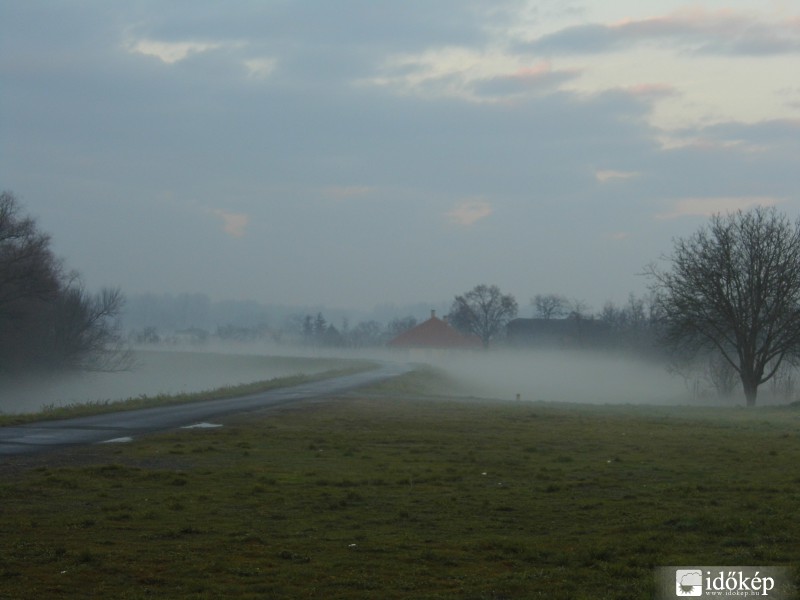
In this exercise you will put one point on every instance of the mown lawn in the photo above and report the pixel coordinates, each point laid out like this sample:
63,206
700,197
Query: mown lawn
386,496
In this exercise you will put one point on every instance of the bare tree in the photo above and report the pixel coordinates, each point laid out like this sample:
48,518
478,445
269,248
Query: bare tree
633,325
365,333
549,306
483,311
578,309
721,375
398,326
86,332
46,317
784,382
28,269
734,286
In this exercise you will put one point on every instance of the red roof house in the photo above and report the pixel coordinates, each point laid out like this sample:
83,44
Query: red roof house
434,333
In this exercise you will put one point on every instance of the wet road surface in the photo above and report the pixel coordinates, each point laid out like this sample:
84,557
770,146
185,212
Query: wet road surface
50,435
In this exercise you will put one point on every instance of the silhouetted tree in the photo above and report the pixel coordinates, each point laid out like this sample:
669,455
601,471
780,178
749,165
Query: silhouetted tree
483,311
735,286
632,326
85,331
550,306
398,326
320,326
47,319
721,375
28,270
331,337
365,333
578,309
148,335
308,328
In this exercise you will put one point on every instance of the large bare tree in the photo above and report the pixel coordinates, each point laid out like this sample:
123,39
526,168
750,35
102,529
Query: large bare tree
47,319
734,286
483,311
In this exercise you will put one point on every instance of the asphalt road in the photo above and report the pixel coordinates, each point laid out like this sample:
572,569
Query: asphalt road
50,435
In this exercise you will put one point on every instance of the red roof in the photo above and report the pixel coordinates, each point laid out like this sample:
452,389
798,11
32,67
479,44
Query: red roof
433,333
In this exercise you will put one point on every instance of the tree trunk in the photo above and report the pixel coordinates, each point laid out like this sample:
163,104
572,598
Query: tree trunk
750,389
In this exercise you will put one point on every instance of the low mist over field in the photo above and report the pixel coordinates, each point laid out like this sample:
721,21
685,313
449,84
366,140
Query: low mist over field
554,376
176,173
155,372
581,377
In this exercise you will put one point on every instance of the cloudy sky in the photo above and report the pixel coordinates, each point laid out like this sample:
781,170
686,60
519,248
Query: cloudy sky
356,152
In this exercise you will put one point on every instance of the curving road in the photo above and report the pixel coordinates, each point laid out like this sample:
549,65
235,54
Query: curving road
49,435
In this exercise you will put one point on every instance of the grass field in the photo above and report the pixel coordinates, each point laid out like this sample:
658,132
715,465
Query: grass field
397,493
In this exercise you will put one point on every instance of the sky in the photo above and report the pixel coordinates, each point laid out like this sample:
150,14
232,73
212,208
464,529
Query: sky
352,153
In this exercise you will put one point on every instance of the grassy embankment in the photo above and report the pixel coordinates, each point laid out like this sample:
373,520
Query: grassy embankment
81,409
387,495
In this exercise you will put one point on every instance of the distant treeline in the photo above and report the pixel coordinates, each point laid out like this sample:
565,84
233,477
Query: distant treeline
47,319
176,312
633,327
295,329
184,318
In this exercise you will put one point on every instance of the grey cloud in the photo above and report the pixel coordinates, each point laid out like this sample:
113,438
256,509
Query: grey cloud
94,135
510,85
738,159
576,39
198,116
700,32
775,133
349,22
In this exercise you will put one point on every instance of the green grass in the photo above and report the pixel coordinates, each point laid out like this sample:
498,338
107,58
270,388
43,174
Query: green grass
381,495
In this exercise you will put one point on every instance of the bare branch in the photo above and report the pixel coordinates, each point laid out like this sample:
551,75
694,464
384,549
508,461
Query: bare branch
735,286
483,311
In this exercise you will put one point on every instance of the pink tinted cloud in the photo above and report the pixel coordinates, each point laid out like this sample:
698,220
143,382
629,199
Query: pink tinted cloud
234,224
725,30
469,212
724,22
605,175
540,76
539,70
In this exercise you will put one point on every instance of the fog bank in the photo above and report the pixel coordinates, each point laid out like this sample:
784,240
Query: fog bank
156,372
561,376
